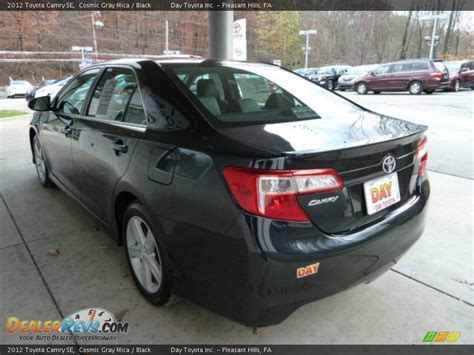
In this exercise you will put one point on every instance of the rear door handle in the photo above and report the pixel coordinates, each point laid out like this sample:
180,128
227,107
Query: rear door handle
119,147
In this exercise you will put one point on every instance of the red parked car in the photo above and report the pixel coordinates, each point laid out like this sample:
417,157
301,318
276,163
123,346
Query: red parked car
461,74
415,76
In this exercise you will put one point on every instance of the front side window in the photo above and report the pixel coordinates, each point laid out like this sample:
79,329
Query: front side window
237,93
382,70
117,98
73,96
400,67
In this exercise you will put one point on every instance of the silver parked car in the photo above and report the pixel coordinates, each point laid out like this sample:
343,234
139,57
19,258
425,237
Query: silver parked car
346,80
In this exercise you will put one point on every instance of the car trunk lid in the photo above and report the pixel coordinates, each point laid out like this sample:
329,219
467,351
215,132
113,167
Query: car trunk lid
354,148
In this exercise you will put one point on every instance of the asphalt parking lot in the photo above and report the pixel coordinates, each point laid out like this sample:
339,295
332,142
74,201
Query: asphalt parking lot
430,289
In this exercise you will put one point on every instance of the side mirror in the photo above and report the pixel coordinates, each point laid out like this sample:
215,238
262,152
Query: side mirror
464,70
42,103
371,73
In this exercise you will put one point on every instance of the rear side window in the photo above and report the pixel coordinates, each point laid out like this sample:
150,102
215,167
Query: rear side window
415,66
400,67
117,98
73,96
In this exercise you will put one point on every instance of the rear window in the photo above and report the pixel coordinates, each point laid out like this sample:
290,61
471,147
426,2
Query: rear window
237,93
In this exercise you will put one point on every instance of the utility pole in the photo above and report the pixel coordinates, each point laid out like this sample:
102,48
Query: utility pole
306,48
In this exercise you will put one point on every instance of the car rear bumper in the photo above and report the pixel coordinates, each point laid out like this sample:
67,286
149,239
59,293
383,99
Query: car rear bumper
275,289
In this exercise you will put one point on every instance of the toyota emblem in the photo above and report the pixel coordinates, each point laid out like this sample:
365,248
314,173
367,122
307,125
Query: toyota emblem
388,164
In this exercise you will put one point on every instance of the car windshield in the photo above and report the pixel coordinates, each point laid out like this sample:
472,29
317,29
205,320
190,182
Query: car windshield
453,67
242,93
20,82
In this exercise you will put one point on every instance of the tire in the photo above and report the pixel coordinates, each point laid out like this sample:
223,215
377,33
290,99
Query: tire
377,92
429,92
145,256
330,85
415,88
40,163
342,89
362,88
457,85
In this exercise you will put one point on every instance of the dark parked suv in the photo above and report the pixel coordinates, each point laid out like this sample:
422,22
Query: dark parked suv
414,76
240,186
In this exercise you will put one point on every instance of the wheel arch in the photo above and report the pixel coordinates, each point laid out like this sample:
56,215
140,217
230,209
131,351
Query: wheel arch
121,202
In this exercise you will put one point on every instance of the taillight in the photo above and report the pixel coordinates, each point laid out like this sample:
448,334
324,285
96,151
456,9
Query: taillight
437,75
422,155
273,193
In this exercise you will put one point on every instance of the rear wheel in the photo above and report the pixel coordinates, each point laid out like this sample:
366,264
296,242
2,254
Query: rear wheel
145,256
429,92
330,85
342,89
415,87
457,85
40,163
376,92
362,88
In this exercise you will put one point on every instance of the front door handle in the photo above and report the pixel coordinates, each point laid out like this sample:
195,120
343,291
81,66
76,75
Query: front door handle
119,147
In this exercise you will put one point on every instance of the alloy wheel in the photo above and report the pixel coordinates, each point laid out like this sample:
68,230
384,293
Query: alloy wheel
457,85
415,88
144,254
362,88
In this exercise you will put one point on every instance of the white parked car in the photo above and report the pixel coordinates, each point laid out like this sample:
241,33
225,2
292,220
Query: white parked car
53,89
18,87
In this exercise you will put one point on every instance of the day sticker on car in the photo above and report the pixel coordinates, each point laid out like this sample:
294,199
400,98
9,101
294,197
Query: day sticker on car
381,193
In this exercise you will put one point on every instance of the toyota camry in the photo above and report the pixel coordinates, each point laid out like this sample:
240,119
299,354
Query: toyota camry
242,187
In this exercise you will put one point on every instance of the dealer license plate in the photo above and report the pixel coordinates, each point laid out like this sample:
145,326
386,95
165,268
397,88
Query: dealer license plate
381,193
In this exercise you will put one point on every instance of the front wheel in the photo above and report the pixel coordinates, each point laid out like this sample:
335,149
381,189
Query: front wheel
145,256
40,163
330,85
415,87
376,92
429,92
362,88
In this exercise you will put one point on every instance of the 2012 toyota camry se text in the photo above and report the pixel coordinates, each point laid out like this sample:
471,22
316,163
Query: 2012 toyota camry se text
239,186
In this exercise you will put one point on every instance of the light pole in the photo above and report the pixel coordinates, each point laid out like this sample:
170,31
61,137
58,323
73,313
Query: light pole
96,24
434,40
306,47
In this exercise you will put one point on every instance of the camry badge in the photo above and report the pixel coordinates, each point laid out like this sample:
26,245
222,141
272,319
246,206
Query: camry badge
388,164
